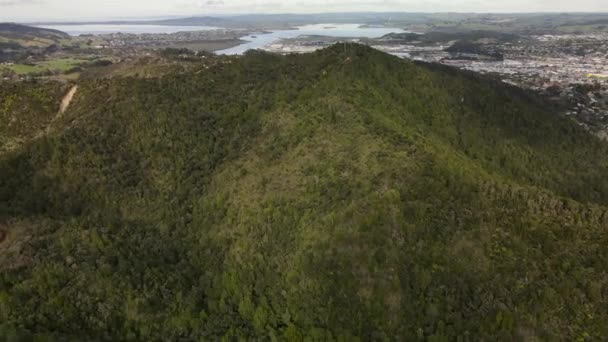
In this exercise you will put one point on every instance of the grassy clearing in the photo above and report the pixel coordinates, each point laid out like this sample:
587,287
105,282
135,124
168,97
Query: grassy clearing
37,42
60,65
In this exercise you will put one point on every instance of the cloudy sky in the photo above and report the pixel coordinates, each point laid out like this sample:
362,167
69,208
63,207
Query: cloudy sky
27,10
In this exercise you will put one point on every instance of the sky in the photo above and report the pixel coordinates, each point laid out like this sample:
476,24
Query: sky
76,10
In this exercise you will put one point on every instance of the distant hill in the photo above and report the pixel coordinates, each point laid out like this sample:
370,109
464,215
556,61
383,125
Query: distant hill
198,21
445,37
276,21
269,21
526,23
464,47
29,36
343,195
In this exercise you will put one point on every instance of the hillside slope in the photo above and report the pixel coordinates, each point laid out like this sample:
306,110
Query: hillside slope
339,195
27,36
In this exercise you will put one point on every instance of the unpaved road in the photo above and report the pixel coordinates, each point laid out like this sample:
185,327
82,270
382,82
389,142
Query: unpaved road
65,103
67,99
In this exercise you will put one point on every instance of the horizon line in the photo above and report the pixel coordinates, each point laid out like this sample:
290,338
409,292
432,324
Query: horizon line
220,15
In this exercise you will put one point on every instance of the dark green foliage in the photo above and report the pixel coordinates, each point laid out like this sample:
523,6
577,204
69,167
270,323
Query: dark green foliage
175,52
100,63
10,46
26,108
339,195
467,47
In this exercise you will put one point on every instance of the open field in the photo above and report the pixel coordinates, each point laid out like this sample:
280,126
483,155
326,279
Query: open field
37,42
54,65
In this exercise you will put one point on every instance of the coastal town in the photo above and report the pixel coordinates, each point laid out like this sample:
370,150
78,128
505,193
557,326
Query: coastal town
204,40
569,68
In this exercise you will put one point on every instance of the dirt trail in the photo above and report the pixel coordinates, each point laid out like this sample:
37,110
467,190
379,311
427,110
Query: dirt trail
16,143
65,103
67,99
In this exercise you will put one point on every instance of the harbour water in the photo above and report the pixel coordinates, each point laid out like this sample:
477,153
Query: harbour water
258,41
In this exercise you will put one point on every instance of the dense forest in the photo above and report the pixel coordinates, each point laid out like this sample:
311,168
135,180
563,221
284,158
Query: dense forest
341,195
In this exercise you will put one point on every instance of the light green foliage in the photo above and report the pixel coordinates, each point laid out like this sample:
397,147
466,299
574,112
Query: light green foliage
59,65
338,196
26,109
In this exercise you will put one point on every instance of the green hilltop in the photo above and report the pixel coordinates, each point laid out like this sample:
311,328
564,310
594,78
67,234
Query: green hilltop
335,196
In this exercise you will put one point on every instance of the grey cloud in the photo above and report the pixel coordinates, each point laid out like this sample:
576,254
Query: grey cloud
237,6
19,2
32,10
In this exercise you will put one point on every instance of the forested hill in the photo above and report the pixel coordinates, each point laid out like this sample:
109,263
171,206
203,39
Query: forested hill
340,195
